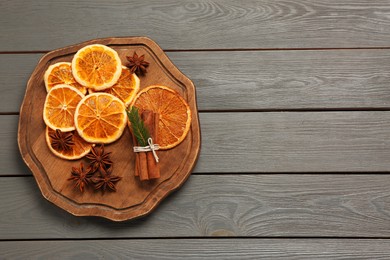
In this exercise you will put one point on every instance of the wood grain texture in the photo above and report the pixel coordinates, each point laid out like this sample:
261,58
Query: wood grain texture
15,69
272,142
132,198
214,206
264,80
282,80
197,24
200,249
295,142
11,160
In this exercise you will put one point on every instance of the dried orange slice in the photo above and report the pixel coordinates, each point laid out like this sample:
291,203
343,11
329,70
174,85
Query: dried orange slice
96,66
61,73
79,149
100,118
60,105
126,88
175,114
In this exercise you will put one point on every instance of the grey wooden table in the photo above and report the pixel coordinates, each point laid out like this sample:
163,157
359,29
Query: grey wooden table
294,100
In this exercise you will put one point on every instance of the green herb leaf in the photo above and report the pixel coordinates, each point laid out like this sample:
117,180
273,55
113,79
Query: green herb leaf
138,127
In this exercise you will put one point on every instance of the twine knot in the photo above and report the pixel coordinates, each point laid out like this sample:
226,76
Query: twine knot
151,147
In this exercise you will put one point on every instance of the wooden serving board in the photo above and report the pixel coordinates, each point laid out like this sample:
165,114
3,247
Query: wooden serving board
133,198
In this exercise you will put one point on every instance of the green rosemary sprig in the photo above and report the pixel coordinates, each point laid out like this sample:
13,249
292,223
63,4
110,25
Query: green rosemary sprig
138,127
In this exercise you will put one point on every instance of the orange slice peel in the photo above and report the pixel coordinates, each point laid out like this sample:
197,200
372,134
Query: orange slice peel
61,73
174,113
126,87
79,149
96,66
60,106
100,118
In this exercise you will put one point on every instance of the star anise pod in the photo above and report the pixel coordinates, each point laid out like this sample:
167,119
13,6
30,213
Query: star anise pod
137,64
81,176
99,159
106,181
61,141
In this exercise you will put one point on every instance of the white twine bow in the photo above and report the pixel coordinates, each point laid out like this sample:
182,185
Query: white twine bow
151,147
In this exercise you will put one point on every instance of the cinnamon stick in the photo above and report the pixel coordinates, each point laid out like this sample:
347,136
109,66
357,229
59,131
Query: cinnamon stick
140,167
136,165
143,167
151,122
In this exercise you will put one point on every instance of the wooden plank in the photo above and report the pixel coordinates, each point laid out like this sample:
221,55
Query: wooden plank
295,142
299,205
15,70
11,162
265,80
197,24
270,142
200,249
273,80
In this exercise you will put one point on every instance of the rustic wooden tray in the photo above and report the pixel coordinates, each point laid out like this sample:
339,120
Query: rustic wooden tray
133,198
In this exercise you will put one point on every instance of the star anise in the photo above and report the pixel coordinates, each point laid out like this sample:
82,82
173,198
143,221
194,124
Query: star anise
106,181
61,141
99,159
137,64
81,176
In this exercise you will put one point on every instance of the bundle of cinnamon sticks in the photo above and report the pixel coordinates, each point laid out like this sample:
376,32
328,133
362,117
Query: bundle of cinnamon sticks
146,166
